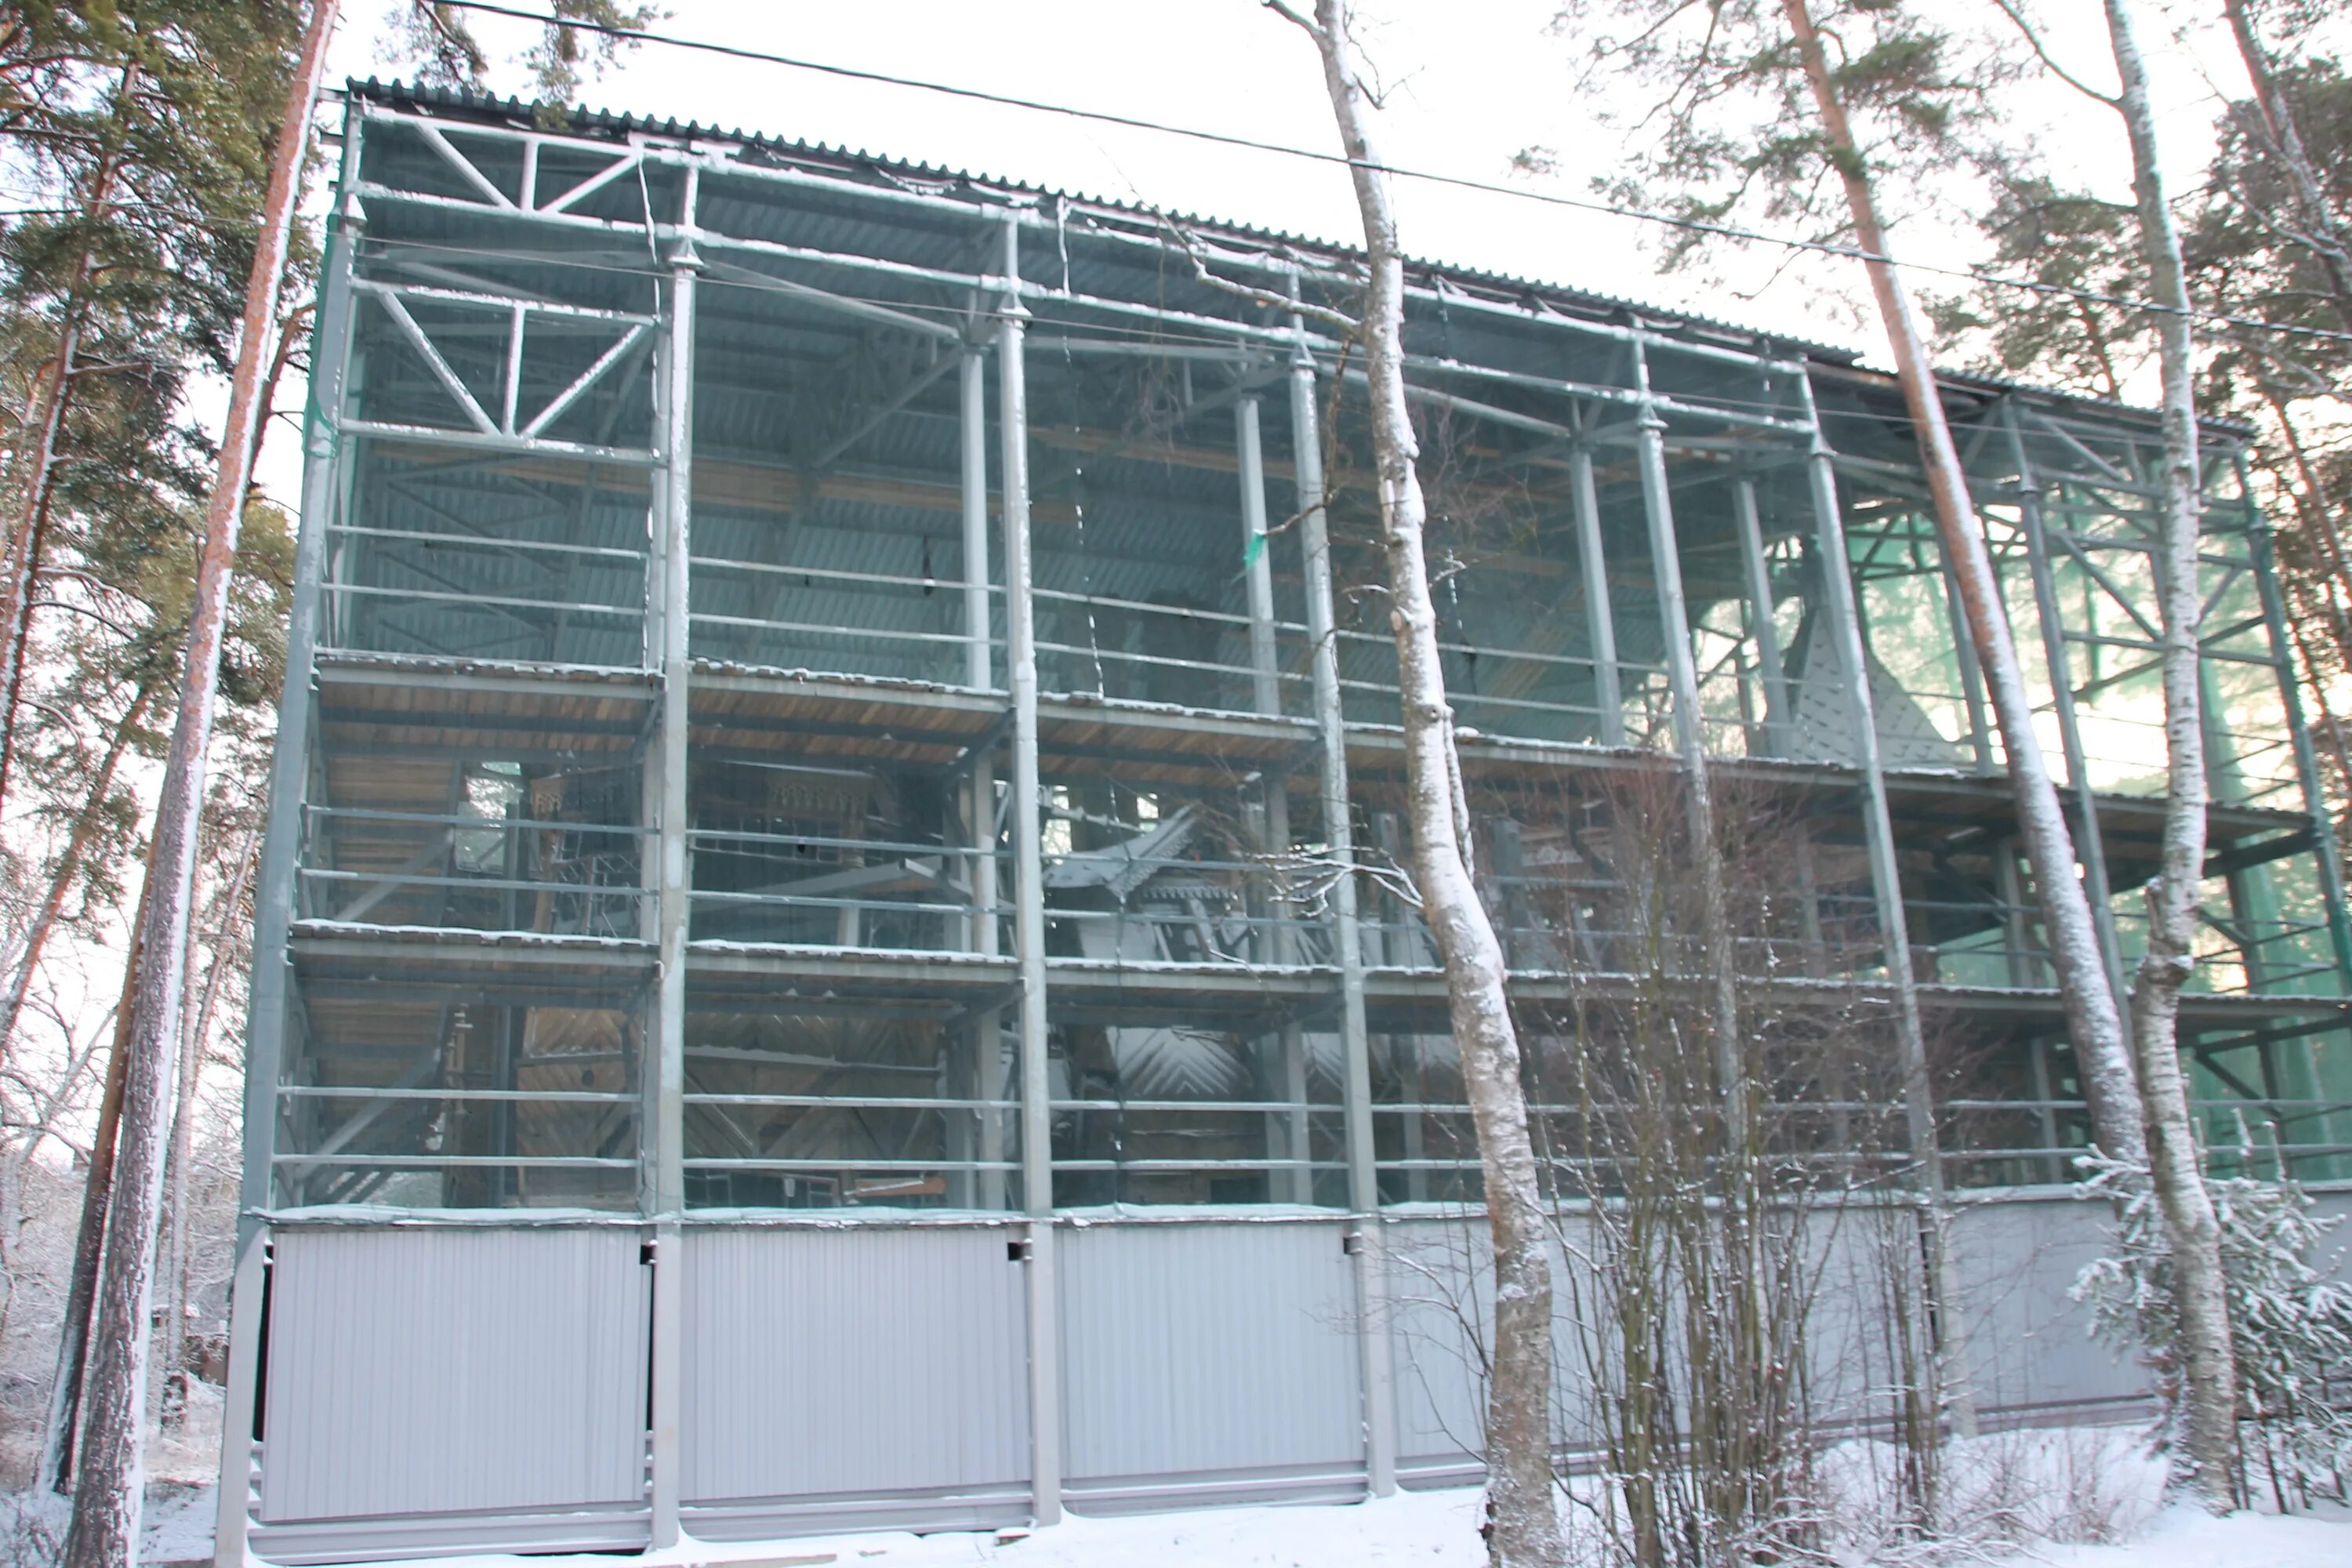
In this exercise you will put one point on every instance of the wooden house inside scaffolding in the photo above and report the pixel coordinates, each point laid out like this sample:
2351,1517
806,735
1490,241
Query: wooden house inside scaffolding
831,949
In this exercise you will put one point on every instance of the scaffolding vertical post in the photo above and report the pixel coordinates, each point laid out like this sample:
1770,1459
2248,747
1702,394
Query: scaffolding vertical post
1265,659
1690,736
1759,618
2089,847
282,848
1266,692
1673,614
1972,691
1029,899
2306,761
1376,1365
2046,1118
665,1076
1844,623
987,1024
2024,969
978,672
1599,621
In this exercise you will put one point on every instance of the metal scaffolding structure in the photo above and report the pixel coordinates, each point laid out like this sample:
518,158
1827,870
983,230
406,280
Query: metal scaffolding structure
754,812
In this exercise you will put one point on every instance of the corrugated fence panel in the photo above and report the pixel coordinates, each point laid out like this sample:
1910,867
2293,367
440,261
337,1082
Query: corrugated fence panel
2029,1345
1441,1313
831,1363
1208,1351
1441,1281
434,1371
2334,1250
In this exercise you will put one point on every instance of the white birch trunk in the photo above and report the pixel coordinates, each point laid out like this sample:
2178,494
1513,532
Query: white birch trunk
1523,1526
2109,1083
108,1483
2192,1231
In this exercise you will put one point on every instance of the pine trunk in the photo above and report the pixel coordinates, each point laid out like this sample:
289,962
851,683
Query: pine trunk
2192,1231
53,389
55,1472
1523,1527
2316,228
2109,1082
174,1401
61,880
109,1486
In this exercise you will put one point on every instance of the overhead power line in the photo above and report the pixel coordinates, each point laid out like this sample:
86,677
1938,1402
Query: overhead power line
1425,176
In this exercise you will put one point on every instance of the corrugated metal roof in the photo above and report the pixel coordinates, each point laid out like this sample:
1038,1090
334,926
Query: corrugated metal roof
940,180
863,166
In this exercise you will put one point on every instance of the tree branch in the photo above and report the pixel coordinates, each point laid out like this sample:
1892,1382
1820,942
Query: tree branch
2010,9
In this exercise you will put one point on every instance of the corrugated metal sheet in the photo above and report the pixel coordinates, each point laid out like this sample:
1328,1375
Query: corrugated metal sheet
2335,1260
852,1362
422,1371
2029,1347
1441,1279
1207,1348
2028,1343
1440,1276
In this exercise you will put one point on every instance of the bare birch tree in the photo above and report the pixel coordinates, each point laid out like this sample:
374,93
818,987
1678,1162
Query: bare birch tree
2192,1231
2200,1291
1522,1524
109,1481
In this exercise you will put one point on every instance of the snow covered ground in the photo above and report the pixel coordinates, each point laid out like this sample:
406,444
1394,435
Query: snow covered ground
1438,1530
1426,1530
2085,1498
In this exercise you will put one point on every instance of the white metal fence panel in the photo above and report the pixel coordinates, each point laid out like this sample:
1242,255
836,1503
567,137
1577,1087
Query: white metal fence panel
1441,1303
436,1370
1441,1311
1225,1352
853,1364
2334,1250
2029,1348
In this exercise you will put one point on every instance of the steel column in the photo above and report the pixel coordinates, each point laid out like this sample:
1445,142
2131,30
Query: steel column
1759,619
2088,846
978,673
1376,1365
987,1026
1972,691
1266,692
282,847
1674,613
1265,666
1885,873
2306,761
664,1074
1886,890
1690,736
1600,620
1029,903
